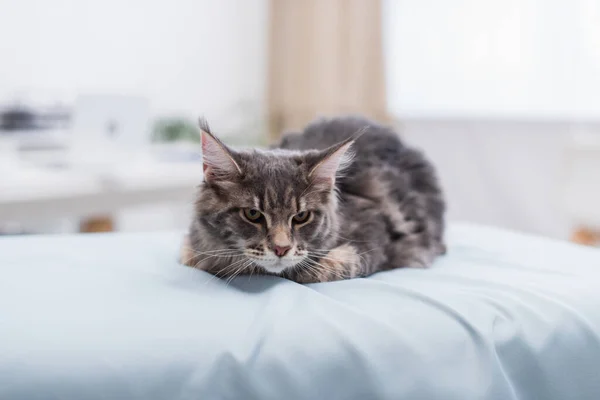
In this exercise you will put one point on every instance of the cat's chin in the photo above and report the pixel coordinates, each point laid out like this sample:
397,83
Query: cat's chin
277,266
274,270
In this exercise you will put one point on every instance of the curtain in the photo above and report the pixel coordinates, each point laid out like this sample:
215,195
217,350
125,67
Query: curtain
325,58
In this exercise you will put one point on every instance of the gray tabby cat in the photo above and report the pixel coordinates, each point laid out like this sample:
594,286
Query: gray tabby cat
323,205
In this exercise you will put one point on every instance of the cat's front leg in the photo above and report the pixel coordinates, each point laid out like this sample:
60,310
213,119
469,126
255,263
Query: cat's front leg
342,262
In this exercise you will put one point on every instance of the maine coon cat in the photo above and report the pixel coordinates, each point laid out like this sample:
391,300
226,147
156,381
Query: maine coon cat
344,198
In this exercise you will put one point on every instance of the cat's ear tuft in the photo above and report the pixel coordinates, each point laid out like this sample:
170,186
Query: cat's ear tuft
218,160
333,161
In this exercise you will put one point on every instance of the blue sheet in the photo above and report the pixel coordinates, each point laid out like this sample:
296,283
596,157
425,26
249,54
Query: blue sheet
502,316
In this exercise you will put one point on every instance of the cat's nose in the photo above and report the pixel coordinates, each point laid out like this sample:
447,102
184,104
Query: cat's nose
281,251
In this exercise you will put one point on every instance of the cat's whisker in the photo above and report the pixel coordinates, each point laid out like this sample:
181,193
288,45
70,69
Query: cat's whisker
214,276
337,272
189,249
310,269
223,260
233,255
225,271
201,260
337,259
327,268
223,255
220,251
241,269
229,269
238,271
252,269
214,253
327,273
325,255
361,255
328,250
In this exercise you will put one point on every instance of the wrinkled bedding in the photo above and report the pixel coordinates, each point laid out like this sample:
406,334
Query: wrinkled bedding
114,316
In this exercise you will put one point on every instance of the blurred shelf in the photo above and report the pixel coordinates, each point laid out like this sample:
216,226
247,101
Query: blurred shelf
33,193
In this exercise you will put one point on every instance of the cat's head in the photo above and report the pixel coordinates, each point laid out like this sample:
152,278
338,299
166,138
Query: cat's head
274,207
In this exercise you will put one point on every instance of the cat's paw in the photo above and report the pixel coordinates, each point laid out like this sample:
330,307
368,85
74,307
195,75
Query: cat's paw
340,263
186,254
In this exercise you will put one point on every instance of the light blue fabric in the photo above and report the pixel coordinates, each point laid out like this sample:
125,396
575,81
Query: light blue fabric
502,316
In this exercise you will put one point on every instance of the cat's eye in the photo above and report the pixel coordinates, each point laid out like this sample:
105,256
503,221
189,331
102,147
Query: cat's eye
252,215
301,217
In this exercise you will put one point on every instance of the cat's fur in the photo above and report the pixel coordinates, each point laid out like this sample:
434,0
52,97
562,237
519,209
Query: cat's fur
376,205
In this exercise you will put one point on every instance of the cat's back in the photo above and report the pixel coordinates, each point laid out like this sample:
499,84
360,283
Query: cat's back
379,153
373,139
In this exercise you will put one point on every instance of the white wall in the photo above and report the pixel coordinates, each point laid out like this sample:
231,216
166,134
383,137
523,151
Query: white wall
510,174
186,56
521,59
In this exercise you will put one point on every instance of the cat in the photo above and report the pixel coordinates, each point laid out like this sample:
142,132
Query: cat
345,198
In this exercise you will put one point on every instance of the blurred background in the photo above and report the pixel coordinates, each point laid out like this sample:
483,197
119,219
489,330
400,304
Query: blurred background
99,101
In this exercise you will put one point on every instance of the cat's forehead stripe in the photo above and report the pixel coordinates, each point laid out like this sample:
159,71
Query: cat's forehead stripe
289,199
277,196
266,204
271,195
286,196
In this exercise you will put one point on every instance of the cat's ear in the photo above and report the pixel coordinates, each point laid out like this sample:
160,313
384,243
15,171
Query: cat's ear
218,161
331,162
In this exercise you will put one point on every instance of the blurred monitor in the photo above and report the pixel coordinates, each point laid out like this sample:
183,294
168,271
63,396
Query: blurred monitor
107,129
121,121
